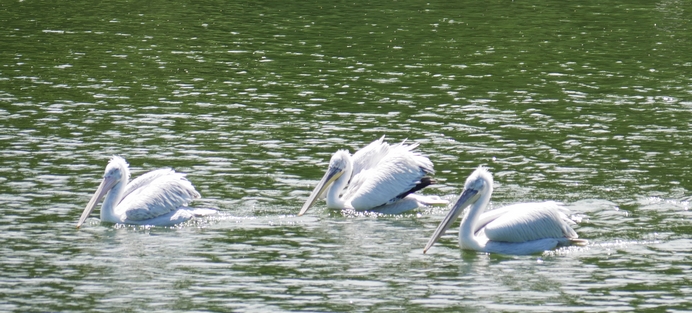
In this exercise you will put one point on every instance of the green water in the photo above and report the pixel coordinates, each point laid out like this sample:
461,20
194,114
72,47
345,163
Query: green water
587,103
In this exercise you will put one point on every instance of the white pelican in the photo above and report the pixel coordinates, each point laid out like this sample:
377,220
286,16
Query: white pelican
379,178
159,197
522,228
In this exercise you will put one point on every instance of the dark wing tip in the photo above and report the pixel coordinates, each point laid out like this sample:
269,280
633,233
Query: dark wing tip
424,182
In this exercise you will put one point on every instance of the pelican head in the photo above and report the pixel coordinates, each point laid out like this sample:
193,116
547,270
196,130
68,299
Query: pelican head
117,171
478,184
339,164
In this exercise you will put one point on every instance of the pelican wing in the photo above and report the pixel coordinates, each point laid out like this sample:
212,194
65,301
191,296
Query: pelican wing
398,207
145,180
528,221
161,195
369,156
396,175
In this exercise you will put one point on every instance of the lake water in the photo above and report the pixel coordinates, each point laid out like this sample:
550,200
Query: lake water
586,103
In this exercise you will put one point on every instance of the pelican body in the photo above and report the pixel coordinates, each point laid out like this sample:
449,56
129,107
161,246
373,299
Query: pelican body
380,178
159,197
523,228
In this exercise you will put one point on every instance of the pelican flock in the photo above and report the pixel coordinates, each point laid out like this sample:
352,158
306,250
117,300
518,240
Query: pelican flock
159,197
522,228
379,177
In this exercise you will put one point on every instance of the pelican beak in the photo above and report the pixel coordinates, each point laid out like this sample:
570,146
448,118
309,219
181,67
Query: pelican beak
106,184
467,197
328,178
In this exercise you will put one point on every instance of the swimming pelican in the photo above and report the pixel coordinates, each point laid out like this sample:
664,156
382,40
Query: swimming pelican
380,178
159,197
522,228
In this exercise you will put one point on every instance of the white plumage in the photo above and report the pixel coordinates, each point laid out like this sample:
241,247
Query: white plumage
159,197
368,156
522,228
380,177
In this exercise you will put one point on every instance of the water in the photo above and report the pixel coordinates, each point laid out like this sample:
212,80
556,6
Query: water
586,103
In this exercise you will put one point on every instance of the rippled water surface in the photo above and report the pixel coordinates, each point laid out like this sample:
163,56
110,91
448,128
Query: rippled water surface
587,103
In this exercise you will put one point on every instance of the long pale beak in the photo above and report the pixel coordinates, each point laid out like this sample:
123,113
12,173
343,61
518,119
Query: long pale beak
104,187
467,197
328,178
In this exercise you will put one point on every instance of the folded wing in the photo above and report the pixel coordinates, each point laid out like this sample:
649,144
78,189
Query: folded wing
399,173
528,221
155,194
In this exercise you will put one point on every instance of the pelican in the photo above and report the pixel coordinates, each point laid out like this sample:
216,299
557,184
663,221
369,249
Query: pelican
159,197
380,178
522,228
